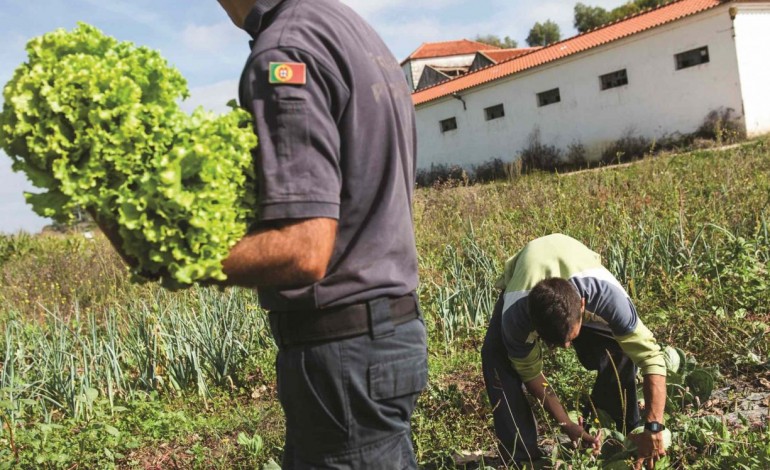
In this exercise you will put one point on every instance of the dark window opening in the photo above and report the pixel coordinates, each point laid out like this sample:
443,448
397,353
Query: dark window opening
692,58
548,97
614,79
448,124
494,112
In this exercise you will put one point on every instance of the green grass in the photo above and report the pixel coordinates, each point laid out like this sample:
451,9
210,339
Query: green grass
98,372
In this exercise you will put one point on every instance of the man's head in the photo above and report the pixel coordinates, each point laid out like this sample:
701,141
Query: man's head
237,10
556,310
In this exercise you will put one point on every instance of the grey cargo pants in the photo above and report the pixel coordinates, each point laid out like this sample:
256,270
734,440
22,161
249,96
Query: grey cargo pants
348,402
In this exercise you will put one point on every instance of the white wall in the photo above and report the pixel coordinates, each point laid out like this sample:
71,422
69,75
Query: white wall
416,66
658,100
406,67
752,40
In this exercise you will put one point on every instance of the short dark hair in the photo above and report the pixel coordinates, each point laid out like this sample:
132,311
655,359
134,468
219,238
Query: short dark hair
554,308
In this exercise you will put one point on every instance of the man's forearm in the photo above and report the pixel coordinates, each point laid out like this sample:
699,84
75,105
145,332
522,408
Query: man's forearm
655,396
540,389
544,393
292,254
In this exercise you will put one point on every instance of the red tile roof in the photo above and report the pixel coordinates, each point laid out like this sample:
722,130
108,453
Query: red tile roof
501,55
582,42
429,50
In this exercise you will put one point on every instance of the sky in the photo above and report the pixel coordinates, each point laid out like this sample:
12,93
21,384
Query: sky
198,38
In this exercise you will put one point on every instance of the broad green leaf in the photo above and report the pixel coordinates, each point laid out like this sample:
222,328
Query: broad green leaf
701,384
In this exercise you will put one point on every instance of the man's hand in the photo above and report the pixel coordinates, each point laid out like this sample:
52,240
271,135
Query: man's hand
578,435
650,448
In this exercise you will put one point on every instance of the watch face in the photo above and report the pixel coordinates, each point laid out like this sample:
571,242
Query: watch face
654,426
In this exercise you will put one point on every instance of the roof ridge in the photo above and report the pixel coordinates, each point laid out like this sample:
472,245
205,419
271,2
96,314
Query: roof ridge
464,41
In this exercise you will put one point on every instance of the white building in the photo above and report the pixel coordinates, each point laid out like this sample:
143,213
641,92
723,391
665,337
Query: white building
653,75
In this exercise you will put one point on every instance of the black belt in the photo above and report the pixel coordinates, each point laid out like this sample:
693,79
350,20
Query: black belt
376,317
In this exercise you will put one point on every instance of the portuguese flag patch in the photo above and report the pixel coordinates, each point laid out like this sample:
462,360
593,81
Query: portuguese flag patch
287,73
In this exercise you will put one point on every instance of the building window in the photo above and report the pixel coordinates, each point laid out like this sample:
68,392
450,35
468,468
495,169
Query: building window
614,79
692,58
494,112
448,125
548,97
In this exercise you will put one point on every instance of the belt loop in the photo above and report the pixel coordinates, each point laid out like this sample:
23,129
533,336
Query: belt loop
380,321
417,304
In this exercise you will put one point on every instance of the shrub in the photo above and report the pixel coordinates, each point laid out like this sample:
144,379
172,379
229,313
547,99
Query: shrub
514,169
627,148
441,174
577,156
722,126
540,156
488,171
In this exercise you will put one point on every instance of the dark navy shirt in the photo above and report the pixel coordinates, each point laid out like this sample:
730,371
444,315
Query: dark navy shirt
341,146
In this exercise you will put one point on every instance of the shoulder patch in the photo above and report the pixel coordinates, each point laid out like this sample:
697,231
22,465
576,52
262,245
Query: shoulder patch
288,73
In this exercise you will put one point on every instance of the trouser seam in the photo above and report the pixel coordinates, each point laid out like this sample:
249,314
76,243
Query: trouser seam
346,391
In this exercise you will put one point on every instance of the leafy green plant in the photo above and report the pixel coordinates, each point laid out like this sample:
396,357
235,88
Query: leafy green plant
95,123
686,383
252,445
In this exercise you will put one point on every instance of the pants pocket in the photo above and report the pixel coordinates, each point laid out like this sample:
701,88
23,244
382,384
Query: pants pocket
312,393
398,378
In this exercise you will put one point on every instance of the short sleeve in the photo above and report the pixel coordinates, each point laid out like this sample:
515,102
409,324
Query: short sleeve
606,298
298,157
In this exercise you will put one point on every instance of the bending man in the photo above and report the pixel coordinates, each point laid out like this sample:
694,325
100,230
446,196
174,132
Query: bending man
556,291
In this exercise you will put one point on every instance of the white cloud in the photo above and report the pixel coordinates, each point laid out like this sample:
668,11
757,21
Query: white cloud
212,97
367,8
216,37
405,24
122,9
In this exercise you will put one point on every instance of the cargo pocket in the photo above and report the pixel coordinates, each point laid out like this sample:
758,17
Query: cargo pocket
398,378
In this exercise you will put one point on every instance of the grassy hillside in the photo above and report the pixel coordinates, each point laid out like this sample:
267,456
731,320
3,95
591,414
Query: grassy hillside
97,372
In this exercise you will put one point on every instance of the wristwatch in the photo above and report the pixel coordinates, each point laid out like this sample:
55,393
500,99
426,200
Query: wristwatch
654,427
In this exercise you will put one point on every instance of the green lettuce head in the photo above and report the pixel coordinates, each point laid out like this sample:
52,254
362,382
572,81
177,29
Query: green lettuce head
96,125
